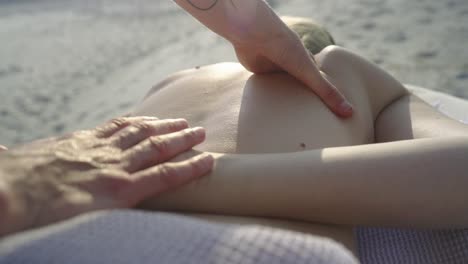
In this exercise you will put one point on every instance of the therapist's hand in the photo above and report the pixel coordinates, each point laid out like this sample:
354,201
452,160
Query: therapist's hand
268,45
264,43
116,165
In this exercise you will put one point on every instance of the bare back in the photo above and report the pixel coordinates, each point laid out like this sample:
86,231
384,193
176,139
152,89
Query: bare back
245,113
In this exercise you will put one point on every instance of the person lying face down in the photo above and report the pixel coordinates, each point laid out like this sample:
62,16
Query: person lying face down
284,159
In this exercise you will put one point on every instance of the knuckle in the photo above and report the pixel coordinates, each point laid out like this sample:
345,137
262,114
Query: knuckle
173,126
133,159
159,145
196,167
331,94
144,127
168,175
129,131
121,139
189,136
120,121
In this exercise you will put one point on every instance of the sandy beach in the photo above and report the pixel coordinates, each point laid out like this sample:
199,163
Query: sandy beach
67,65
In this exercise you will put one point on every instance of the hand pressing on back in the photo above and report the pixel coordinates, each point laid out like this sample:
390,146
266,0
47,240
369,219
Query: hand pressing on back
115,165
264,43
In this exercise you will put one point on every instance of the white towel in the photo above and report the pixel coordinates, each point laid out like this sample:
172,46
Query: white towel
128,236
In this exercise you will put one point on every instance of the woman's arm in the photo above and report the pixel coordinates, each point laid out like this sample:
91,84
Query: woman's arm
414,183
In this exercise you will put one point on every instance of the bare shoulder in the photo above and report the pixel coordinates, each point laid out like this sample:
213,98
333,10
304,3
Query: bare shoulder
199,74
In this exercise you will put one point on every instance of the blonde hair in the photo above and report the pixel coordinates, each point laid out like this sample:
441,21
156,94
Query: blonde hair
314,36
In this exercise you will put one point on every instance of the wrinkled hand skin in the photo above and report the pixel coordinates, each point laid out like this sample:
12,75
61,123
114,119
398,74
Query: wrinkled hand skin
115,165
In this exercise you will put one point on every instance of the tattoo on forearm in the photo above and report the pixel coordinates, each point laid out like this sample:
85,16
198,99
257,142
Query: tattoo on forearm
203,8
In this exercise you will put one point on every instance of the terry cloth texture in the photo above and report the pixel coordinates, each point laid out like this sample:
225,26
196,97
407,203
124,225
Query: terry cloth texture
138,237
400,246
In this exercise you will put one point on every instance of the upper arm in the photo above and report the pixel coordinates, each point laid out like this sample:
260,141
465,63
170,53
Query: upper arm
410,118
379,86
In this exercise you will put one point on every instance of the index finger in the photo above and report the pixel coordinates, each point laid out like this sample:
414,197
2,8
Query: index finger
158,179
295,60
158,149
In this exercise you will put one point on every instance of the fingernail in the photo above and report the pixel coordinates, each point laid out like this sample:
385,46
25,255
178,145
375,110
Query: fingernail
346,107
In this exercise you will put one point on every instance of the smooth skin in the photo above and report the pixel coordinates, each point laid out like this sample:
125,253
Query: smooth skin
280,154
116,165
264,43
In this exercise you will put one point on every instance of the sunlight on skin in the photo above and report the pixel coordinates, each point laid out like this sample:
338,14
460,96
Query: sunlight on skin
263,43
242,14
226,69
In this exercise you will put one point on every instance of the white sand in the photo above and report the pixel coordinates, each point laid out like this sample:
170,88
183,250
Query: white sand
66,66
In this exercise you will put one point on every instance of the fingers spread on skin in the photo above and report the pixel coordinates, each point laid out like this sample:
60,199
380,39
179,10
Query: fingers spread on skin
111,127
158,179
158,149
137,132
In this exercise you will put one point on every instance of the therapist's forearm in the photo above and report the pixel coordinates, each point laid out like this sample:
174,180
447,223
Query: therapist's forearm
235,20
418,183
